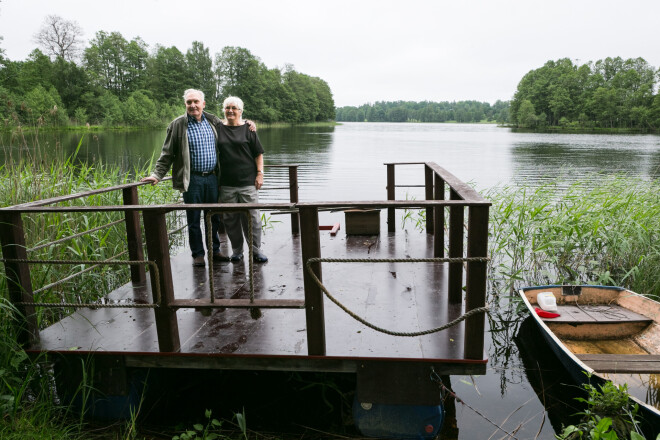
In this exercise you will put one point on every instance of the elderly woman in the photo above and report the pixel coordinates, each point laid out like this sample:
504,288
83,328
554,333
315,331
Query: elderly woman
241,176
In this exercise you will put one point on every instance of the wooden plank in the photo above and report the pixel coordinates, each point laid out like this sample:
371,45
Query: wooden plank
596,330
594,314
614,313
456,219
475,295
332,228
293,198
134,235
158,248
19,284
622,363
439,219
429,195
311,248
621,357
200,303
391,195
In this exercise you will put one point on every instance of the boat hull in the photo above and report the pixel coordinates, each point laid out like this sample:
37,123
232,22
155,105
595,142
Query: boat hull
578,370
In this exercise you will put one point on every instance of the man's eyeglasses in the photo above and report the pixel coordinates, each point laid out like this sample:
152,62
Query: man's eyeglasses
232,108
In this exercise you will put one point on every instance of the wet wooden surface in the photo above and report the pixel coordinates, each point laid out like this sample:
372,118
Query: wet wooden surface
404,297
622,363
596,313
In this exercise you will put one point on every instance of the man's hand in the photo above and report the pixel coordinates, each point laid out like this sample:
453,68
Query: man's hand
259,181
151,179
251,125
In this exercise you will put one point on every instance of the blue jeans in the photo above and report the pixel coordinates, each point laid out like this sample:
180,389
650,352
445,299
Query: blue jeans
202,189
236,224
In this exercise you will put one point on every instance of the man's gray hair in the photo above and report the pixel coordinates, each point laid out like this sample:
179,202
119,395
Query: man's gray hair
191,91
233,100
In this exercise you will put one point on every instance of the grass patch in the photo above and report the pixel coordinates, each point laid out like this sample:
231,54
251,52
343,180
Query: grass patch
600,230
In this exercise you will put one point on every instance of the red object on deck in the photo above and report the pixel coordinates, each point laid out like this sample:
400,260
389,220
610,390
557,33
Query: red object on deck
543,314
333,228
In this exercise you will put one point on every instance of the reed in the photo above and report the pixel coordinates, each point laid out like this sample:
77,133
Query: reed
28,402
598,230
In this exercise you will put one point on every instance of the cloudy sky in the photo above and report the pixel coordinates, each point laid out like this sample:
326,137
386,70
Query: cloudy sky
373,50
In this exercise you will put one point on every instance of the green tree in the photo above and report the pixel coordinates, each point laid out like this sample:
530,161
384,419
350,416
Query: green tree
105,61
306,101
168,75
37,70
326,102
111,111
603,105
71,82
44,106
526,116
200,70
135,58
239,73
139,109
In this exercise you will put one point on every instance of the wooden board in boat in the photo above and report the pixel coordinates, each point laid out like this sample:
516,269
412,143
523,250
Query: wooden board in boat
588,322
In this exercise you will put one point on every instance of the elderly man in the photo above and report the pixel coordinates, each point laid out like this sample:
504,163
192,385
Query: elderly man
190,149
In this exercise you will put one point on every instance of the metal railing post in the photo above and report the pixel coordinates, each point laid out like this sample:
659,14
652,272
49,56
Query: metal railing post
167,326
314,313
134,235
19,284
475,297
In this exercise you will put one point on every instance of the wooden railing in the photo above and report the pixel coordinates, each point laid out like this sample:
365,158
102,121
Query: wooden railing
462,197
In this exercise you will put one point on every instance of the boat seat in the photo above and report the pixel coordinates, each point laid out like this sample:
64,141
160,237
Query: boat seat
622,363
590,314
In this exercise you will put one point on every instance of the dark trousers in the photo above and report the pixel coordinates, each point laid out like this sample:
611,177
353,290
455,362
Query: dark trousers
202,189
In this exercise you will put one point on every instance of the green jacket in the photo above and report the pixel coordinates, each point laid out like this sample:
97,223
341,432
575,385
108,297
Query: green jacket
176,153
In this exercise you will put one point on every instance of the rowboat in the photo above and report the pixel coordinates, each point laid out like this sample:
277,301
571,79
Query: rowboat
608,332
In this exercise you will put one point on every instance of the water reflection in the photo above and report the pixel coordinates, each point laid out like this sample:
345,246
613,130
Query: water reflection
547,376
309,147
546,158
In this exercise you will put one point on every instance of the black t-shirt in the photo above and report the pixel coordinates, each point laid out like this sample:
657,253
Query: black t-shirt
237,149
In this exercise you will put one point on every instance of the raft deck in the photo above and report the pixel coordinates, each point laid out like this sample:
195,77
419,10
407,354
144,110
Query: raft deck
403,297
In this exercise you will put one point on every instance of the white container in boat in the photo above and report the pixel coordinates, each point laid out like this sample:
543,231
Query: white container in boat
547,301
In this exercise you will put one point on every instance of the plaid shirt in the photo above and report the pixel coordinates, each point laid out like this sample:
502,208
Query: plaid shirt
201,141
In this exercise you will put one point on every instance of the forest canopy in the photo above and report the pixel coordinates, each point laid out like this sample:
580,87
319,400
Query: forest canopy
114,81
610,93
426,111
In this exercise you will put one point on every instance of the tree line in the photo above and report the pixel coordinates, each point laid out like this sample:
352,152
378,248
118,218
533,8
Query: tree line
610,93
426,111
114,81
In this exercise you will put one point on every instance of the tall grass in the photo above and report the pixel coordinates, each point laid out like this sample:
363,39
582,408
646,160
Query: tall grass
599,230
28,404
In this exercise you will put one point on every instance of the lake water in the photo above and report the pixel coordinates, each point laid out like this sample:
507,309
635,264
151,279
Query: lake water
346,163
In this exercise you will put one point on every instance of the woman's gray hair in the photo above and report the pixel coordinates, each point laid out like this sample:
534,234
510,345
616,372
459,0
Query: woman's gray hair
233,100
191,91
